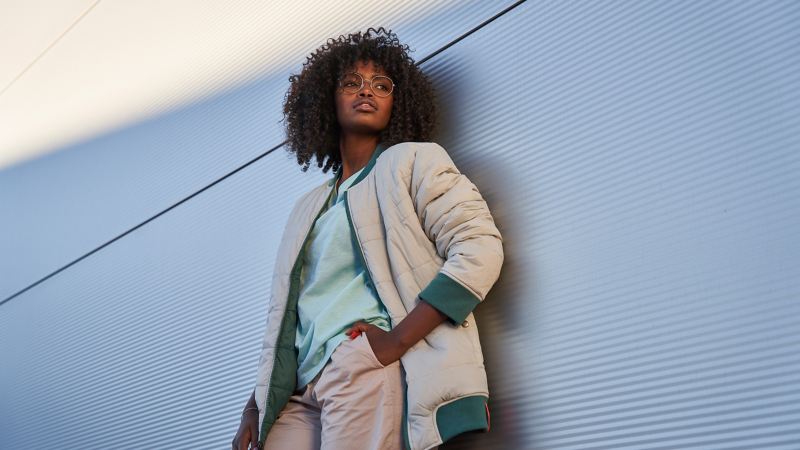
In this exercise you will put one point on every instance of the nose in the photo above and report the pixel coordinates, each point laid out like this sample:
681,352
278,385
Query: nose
364,88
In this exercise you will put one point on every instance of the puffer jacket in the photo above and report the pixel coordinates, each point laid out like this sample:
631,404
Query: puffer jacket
423,231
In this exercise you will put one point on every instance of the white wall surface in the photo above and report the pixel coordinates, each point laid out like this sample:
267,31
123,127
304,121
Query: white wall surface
640,159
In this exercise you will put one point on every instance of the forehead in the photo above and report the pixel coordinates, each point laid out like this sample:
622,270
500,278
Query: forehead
366,68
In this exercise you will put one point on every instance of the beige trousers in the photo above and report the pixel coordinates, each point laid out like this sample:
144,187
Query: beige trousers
353,403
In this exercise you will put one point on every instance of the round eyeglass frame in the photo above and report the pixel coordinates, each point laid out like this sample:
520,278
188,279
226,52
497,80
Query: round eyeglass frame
361,86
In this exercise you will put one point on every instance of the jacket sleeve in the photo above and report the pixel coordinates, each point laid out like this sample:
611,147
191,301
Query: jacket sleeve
457,219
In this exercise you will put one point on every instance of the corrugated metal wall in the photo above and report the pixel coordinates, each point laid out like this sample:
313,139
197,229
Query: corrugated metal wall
641,160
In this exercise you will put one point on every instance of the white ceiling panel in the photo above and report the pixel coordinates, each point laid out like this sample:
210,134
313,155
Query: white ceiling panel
79,68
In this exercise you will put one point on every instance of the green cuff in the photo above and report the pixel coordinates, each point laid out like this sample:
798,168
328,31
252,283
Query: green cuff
465,414
449,297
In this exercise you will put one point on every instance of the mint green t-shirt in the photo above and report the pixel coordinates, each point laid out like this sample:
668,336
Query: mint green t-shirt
333,289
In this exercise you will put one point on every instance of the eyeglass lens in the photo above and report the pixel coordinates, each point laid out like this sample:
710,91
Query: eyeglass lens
353,82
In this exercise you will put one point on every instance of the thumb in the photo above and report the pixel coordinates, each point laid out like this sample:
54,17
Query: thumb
357,328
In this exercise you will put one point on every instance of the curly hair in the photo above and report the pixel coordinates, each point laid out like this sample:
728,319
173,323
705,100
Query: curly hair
309,110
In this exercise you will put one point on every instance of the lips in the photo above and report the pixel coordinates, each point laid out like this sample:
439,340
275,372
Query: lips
365,104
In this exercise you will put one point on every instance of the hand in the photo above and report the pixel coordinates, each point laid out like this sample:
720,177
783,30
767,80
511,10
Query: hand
248,431
385,345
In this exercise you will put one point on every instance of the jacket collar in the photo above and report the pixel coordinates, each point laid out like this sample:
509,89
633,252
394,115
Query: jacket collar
378,150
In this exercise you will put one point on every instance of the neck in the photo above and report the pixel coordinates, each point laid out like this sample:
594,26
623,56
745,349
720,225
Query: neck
356,150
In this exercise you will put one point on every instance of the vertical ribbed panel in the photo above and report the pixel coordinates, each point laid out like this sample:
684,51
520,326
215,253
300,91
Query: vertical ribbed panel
641,161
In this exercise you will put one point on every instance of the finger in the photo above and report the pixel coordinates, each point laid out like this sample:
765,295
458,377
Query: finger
355,329
254,441
254,434
361,329
243,441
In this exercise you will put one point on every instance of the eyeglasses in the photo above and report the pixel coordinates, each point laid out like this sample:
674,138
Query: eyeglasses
353,82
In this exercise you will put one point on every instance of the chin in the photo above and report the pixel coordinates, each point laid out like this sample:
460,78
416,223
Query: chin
366,128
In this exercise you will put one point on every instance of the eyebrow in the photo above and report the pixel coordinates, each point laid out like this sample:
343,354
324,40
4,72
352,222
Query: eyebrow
374,74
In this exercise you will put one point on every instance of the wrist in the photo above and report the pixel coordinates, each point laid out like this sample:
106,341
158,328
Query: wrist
401,339
249,409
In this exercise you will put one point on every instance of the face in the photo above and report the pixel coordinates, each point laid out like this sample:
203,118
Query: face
354,116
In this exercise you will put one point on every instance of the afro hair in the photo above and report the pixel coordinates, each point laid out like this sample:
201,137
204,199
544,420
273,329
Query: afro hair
309,110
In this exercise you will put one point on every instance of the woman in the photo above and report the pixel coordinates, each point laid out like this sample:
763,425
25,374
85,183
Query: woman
370,341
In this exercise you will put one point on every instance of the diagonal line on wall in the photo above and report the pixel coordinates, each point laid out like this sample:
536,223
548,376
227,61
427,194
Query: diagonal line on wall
215,182
47,49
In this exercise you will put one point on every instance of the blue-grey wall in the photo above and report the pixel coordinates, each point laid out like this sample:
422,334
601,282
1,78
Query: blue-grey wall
641,159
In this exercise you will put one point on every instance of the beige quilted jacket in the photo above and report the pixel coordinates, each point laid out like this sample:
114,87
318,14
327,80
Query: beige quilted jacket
424,231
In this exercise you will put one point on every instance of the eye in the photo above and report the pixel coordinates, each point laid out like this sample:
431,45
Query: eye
382,84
